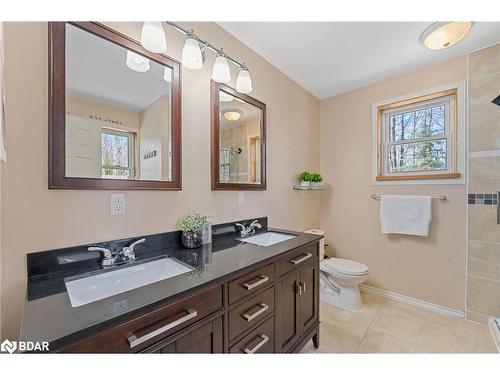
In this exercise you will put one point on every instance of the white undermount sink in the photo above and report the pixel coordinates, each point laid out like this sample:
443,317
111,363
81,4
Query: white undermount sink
267,239
94,288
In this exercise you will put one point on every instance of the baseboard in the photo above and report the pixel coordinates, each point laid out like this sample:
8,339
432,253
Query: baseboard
412,301
494,324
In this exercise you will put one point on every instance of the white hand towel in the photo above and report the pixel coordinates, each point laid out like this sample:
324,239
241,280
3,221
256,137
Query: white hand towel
405,214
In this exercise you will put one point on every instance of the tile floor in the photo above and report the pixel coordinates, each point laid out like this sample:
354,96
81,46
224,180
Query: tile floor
388,326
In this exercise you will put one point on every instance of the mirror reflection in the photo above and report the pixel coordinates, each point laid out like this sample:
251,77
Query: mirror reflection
240,140
118,111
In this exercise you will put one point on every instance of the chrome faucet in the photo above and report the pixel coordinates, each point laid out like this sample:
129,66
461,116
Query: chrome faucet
126,254
245,231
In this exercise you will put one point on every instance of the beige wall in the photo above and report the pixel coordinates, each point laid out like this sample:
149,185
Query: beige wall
483,271
431,269
86,108
35,218
154,135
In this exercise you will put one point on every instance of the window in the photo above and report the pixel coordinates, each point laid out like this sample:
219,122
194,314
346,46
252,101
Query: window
418,138
117,154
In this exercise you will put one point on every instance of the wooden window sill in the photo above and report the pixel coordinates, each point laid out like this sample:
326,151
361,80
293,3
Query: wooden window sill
442,176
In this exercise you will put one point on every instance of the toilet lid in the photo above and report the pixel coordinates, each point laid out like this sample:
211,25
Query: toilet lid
346,266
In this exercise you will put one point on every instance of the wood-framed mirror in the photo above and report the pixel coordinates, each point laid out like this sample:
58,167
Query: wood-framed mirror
114,111
238,138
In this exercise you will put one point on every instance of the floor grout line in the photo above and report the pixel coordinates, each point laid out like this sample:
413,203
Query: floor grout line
368,326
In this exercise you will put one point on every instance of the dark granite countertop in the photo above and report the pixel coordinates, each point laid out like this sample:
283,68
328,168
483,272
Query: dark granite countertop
49,316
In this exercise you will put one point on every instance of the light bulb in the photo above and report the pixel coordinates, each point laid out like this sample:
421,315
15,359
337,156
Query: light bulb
244,81
153,37
167,74
221,71
137,63
225,97
191,54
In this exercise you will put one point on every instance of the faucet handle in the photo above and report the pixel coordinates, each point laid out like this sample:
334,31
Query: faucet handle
129,251
107,254
256,224
135,243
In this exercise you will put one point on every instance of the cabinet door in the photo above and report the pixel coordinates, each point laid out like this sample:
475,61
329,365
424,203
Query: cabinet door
204,339
286,311
308,296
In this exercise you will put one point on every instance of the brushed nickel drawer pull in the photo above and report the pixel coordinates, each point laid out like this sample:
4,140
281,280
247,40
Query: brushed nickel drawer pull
302,287
264,341
133,340
249,317
263,279
305,257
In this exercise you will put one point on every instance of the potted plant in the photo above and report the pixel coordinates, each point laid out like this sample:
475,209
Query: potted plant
191,227
304,179
316,180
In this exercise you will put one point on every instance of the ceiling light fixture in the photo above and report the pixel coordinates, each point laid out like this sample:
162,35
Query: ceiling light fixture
441,35
192,57
244,81
137,63
221,72
232,114
153,37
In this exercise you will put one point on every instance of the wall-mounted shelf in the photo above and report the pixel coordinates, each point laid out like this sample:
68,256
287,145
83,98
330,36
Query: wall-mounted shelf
309,188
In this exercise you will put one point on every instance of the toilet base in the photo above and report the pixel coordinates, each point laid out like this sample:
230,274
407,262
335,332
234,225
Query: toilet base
347,298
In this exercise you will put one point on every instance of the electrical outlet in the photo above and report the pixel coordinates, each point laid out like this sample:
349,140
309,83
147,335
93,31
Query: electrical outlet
118,204
241,198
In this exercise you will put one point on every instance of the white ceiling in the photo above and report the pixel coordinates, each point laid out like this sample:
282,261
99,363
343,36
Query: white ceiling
96,70
329,58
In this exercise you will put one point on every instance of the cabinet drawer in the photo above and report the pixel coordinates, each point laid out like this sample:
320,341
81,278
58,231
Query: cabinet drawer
297,258
251,312
249,283
260,340
145,330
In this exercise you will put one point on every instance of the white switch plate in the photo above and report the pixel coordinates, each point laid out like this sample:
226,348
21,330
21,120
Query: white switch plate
241,198
118,204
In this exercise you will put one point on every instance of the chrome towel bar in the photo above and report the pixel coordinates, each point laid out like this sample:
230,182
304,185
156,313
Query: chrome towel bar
440,197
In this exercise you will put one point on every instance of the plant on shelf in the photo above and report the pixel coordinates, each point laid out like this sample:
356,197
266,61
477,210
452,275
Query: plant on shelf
316,180
191,227
305,179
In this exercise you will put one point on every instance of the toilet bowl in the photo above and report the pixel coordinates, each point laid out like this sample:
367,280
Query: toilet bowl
340,279
339,282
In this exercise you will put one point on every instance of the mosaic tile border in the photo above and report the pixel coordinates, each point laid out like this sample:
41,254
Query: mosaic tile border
488,199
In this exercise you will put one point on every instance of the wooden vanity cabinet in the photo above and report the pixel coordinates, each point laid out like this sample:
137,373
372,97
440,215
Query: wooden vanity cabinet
297,304
269,308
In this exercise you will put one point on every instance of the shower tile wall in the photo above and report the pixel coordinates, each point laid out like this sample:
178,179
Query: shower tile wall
483,273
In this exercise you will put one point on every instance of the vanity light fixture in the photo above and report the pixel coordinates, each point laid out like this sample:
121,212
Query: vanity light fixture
232,114
192,58
153,37
137,63
221,72
441,35
244,81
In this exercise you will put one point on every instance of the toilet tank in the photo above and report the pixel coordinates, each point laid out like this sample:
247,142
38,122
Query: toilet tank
321,242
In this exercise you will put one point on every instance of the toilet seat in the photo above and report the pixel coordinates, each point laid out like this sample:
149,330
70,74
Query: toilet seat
344,266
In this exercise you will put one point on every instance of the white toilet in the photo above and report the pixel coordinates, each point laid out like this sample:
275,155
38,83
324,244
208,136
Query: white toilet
340,279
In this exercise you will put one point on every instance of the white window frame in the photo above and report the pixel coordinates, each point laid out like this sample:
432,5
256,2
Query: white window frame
454,135
131,150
